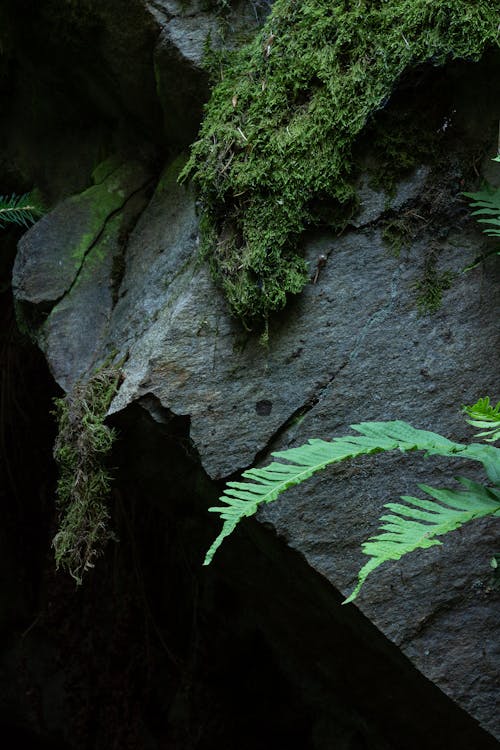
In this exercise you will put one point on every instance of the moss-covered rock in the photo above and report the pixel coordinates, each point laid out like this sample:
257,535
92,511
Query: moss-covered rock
282,121
51,255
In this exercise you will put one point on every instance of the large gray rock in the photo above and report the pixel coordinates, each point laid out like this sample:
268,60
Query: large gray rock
352,347
50,258
68,265
185,31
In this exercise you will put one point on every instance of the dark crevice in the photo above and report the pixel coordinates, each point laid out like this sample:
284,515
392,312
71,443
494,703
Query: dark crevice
276,439
97,239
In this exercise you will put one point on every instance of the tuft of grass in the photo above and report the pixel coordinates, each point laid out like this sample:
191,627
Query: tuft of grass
82,447
396,234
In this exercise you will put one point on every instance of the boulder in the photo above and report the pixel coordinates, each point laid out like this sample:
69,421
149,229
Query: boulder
352,347
381,332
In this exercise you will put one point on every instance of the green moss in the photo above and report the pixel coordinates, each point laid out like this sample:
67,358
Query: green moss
101,201
279,129
81,449
396,234
431,286
105,168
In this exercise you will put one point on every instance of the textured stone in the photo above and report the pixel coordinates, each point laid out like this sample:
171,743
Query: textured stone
352,347
185,30
52,253
373,203
188,26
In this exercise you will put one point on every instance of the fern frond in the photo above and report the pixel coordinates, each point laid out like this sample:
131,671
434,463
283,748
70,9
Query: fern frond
487,205
416,524
484,415
242,499
18,209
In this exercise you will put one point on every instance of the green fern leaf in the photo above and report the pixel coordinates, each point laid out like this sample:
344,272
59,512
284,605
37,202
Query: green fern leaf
243,499
18,209
417,524
487,205
412,526
486,417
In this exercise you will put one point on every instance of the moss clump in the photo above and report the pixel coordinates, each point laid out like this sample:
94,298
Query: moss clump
400,230
82,446
279,128
395,235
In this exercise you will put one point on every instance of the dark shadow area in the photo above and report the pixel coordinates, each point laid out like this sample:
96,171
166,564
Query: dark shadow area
445,117
80,82
27,483
155,651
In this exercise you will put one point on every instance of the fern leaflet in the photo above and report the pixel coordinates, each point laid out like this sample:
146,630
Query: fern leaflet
411,526
417,524
485,416
265,485
487,205
18,209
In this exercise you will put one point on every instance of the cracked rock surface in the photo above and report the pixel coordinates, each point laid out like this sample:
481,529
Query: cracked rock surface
352,347
115,270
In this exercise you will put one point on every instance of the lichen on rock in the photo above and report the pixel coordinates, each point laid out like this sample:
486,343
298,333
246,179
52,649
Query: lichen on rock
283,118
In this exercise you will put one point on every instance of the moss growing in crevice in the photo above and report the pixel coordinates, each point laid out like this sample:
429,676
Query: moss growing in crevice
429,289
395,234
409,131
81,450
282,121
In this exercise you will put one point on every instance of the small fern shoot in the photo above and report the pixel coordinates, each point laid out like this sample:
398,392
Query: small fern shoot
409,527
485,416
18,209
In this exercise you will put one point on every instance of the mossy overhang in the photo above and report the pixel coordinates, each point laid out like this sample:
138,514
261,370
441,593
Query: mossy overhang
285,115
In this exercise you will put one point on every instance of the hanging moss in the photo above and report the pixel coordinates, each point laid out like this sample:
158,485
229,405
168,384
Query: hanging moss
82,446
282,120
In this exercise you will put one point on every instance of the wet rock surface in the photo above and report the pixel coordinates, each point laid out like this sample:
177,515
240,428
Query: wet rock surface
358,344
352,348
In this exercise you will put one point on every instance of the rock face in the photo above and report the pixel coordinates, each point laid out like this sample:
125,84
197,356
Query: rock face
114,271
